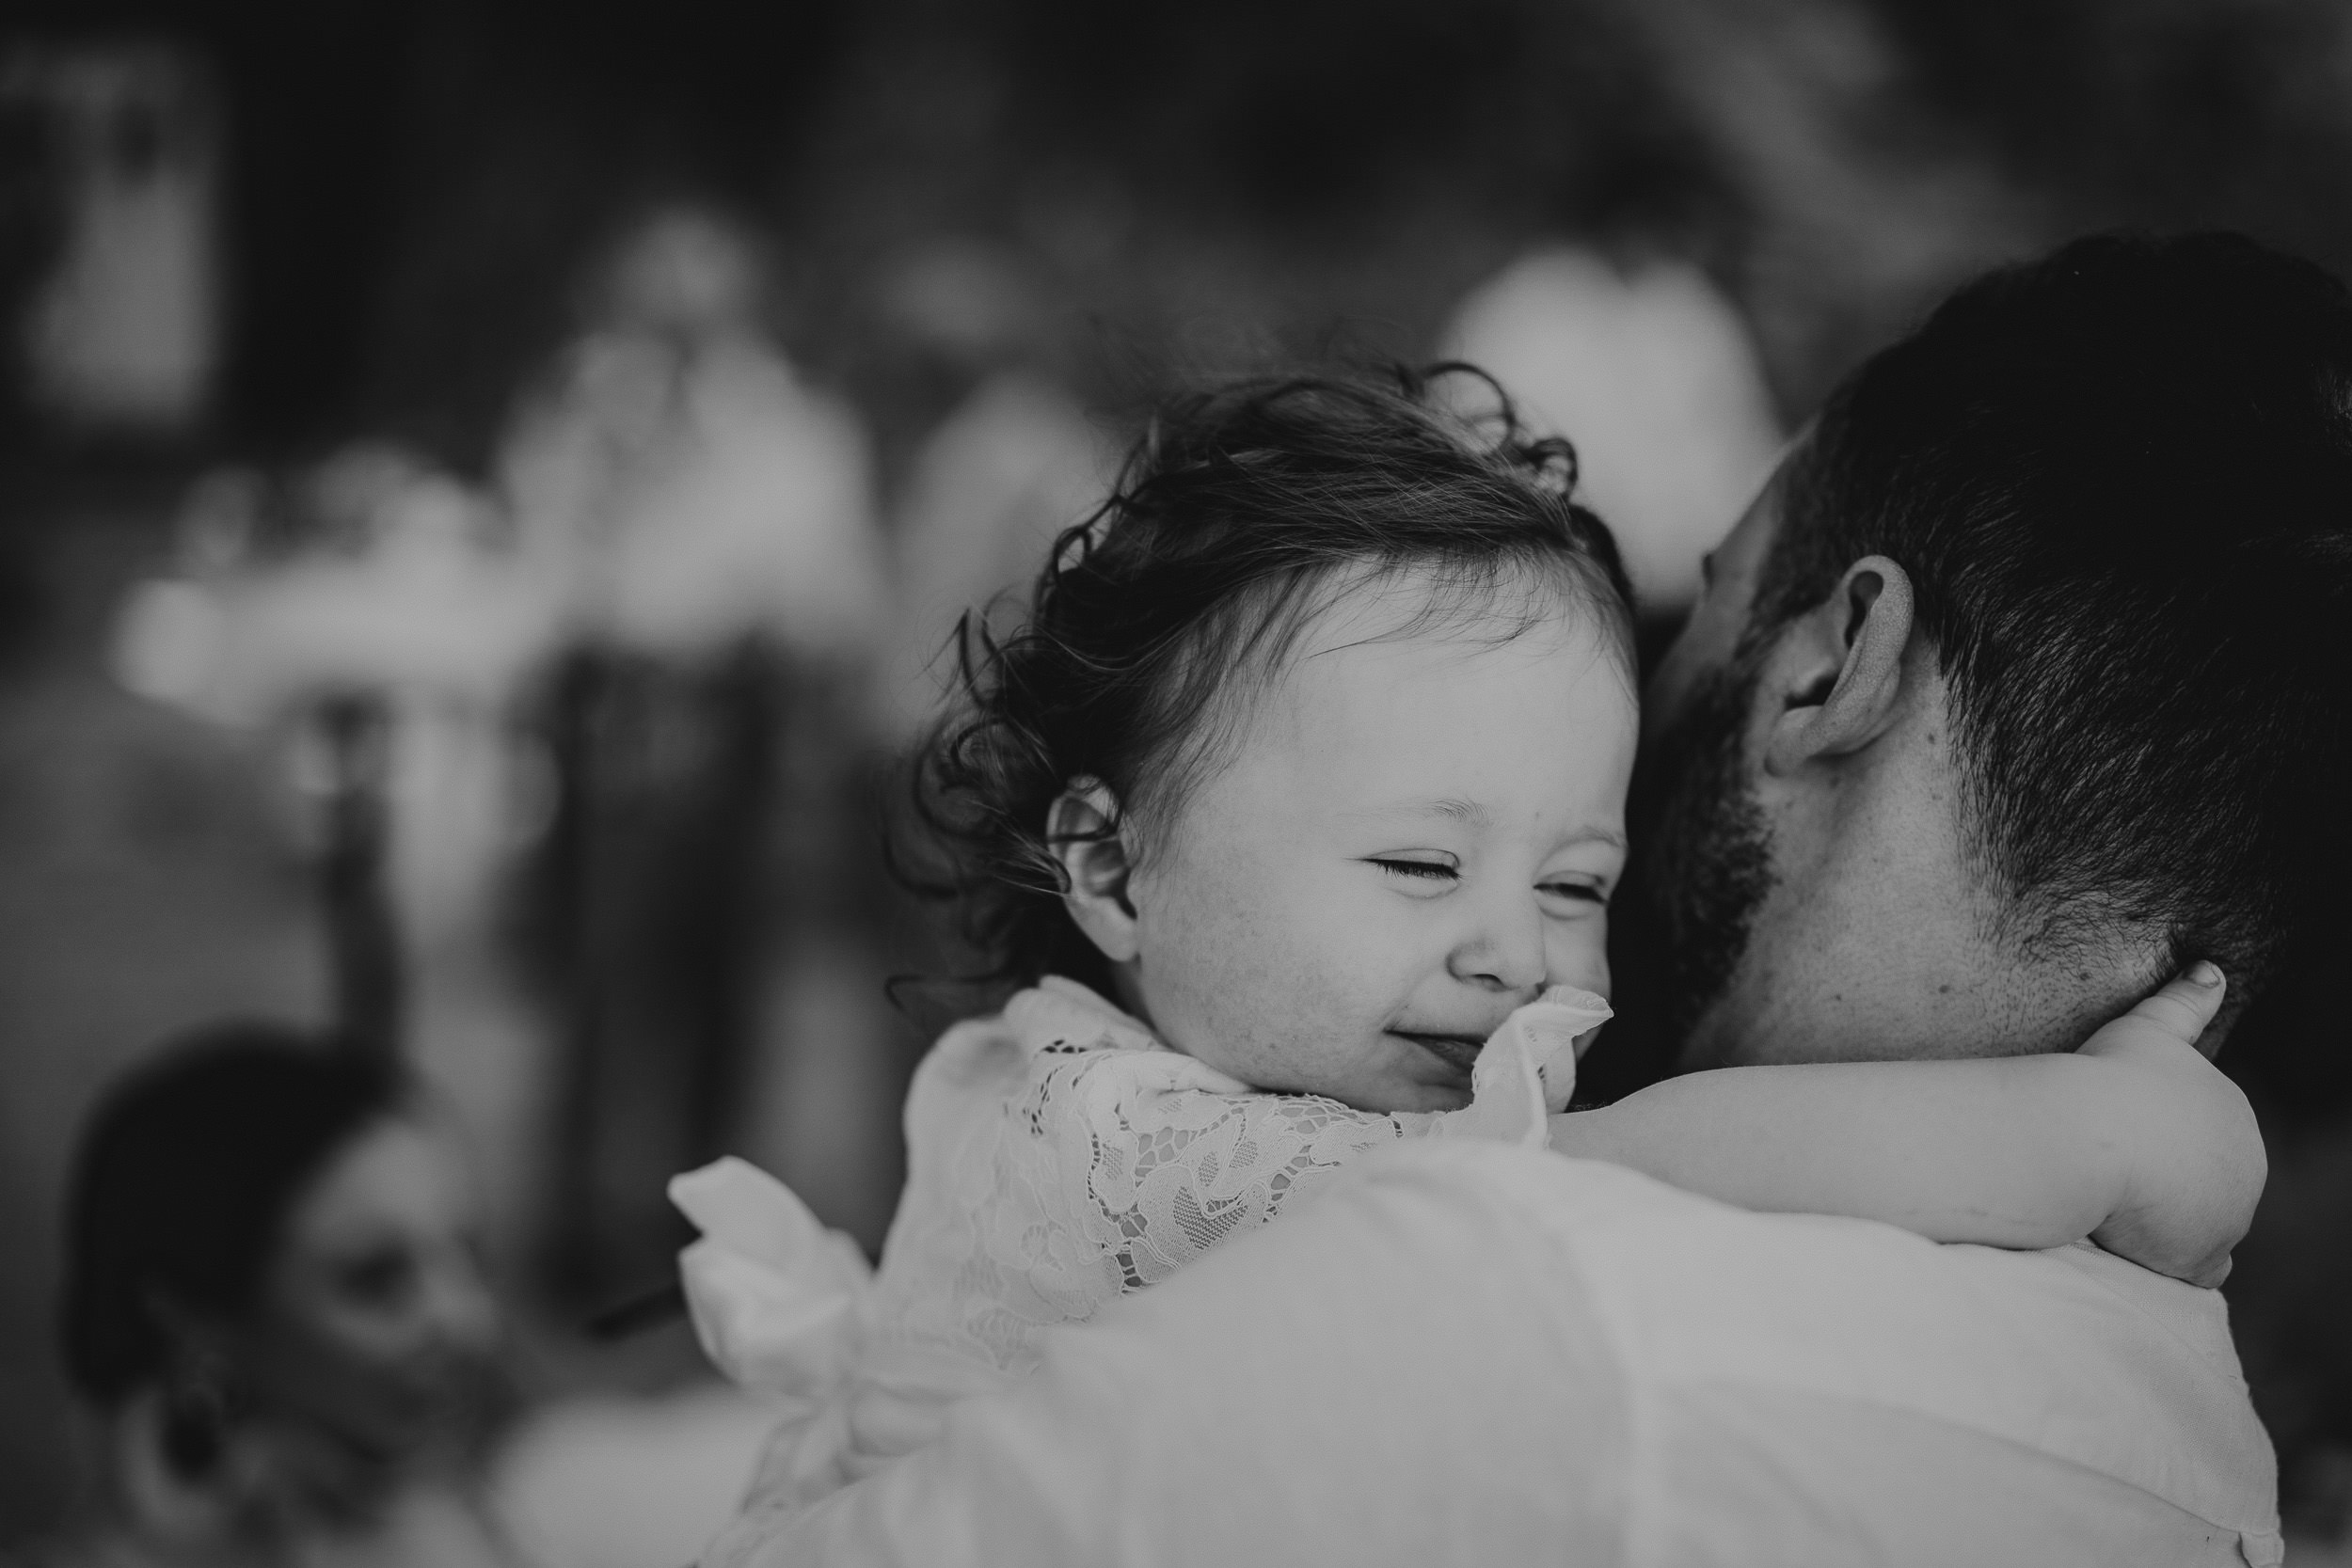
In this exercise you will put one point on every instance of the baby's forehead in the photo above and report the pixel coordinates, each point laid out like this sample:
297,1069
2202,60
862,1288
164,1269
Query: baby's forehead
1348,684
1521,738
1372,671
1399,672
1442,625
1369,604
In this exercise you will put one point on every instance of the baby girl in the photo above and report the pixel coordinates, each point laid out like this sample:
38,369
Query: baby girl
1296,808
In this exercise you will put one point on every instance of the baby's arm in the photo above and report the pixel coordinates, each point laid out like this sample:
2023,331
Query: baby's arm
2135,1141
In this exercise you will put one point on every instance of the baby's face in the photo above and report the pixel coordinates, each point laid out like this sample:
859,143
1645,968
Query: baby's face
1416,835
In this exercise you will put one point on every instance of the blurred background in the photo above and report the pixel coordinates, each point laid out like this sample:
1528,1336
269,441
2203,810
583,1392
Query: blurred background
484,486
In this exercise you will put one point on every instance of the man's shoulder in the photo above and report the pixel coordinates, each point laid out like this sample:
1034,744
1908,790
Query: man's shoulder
1703,1289
2071,1354
1470,1354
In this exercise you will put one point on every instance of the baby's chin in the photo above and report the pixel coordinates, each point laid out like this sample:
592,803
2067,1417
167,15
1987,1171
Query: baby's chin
1385,1095
1401,1075
1388,1075
1390,1098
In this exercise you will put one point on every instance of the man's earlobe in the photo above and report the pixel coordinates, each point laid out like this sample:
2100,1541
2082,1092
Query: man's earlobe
1841,667
1090,836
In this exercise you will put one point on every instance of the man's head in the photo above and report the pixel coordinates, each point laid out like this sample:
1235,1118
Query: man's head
2025,680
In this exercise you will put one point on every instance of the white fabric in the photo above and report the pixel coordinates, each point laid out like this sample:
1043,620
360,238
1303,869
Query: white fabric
1059,1157
624,1480
769,1286
1474,1354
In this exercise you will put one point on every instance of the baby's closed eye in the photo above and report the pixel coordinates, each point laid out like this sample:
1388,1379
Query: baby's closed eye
1432,871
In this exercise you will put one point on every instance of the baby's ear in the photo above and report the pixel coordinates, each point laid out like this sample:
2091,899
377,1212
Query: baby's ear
1090,836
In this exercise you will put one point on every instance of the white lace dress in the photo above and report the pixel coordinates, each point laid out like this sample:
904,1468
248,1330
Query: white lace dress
1058,1156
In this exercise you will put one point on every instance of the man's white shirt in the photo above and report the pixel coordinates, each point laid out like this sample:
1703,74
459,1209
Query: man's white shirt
1475,1354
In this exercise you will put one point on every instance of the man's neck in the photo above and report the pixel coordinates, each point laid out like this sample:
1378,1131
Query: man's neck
1895,961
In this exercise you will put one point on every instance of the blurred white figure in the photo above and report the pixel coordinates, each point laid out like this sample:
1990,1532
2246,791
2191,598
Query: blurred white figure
404,588
680,480
124,331
400,594
171,634
615,1482
407,598
1651,372
1014,464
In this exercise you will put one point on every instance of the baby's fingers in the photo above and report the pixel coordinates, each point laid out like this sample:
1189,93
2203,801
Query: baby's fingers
2184,1005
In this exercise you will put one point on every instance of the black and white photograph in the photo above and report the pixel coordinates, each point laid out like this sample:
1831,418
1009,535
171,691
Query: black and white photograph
1014,784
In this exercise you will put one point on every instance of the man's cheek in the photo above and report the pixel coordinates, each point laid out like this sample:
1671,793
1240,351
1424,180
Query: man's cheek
1669,687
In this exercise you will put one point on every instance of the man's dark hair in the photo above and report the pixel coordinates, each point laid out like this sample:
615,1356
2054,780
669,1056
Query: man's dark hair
2121,481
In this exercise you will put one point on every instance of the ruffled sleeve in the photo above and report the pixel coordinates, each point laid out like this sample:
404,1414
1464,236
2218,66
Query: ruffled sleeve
773,1293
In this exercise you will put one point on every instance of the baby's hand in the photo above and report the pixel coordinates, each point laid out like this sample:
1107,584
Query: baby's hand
2194,1160
2169,1021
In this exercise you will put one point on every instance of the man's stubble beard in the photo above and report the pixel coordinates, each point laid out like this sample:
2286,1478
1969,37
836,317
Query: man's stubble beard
1702,867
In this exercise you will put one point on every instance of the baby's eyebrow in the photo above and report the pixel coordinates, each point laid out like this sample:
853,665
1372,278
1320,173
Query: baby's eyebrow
1477,815
1453,806
1461,811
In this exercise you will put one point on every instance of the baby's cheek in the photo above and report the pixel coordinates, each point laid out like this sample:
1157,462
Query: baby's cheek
1579,955
1270,972
1319,1037
1302,1029
1211,977
1286,1020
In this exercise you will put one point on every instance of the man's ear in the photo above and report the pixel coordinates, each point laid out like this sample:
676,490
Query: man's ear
1091,838
1838,671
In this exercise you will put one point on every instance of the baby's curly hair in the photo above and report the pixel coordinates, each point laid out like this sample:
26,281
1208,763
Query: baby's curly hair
1237,518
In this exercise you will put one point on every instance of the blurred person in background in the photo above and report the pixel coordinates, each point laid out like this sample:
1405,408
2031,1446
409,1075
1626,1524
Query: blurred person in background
274,1302
709,517
1015,460
679,477
1652,370
367,619
122,335
275,1305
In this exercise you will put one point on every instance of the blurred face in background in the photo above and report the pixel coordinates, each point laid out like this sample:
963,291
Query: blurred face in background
374,1327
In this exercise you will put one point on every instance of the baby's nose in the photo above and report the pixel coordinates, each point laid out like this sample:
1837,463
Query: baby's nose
1504,954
